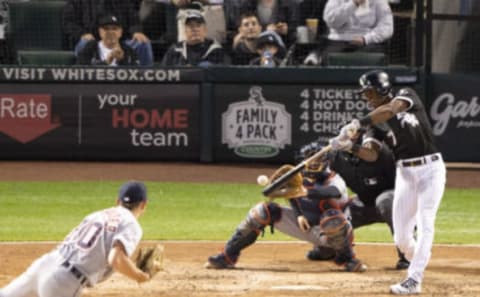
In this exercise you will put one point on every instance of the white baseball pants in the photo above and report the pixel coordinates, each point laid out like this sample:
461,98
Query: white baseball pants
418,192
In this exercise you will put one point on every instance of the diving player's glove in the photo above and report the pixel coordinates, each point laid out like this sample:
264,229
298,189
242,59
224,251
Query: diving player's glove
149,259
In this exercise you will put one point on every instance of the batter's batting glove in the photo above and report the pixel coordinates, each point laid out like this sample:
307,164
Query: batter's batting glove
349,130
339,144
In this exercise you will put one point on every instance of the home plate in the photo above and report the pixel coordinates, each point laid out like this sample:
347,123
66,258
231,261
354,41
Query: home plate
298,288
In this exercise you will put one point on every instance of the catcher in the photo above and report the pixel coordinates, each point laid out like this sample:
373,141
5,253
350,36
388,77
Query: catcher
314,215
371,181
101,244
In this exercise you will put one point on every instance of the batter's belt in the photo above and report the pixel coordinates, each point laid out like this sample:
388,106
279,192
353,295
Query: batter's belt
420,160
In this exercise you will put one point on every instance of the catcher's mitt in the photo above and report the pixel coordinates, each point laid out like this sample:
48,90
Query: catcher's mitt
293,188
149,259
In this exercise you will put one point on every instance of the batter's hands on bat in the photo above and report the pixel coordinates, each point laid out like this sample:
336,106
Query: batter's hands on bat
303,223
350,130
341,144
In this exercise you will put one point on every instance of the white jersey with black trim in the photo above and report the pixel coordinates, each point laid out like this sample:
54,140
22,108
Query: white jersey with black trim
410,133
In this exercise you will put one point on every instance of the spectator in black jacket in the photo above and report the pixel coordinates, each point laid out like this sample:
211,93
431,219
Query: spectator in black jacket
281,16
80,24
245,42
108,50
197,49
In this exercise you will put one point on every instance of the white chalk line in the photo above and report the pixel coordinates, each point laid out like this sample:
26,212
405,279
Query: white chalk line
266,242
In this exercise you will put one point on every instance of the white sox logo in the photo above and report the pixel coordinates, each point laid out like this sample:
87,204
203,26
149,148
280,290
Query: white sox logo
407,118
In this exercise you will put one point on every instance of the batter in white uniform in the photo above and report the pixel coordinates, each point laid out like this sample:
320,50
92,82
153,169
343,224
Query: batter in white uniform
101,244
420,174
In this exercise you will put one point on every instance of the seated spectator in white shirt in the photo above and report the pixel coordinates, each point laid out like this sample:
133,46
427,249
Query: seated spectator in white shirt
108,50
358,25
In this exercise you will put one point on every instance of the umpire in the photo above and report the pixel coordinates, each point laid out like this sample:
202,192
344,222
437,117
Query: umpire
373,184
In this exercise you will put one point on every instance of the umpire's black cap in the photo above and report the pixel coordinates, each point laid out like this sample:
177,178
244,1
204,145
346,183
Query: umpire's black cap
132,192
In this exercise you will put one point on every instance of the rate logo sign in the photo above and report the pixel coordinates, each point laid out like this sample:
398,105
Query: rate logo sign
25,117
256,128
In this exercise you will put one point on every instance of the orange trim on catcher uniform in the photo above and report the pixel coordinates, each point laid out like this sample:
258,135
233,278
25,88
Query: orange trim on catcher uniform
259,219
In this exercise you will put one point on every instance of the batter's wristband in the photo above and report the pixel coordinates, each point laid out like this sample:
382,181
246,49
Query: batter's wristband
366,121
355,148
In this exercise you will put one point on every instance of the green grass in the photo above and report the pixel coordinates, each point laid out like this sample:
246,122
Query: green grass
187,211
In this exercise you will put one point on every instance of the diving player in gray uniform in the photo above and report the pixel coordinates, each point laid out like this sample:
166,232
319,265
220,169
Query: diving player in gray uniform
420,174
309,218
372,183
101,244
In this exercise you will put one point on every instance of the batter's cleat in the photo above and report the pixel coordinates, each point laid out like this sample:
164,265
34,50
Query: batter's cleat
355,265
219,261
402,264
320,254
407,287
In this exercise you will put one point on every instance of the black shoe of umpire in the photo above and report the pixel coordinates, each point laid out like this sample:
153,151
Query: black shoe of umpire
319,253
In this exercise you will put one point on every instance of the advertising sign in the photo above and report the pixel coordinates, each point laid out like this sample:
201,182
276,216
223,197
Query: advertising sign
100,121
270,122
455,114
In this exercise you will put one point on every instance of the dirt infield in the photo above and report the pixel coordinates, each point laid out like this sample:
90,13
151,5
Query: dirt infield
265,269
273,269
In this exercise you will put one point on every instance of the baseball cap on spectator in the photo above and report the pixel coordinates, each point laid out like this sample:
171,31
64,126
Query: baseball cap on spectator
109,19
195,15
132,192
270,37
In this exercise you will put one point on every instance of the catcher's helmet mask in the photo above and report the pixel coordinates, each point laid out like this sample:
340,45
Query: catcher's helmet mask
377,80
317,170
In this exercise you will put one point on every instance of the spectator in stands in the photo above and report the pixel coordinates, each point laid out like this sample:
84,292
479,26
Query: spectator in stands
358,25
313,9
281,16
270,50
108,50
212,11
197,49
354,25
80,17
244,47
4,50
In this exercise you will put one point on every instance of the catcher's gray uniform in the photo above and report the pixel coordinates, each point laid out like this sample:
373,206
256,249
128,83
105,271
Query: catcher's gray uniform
288,222
81,259
321,208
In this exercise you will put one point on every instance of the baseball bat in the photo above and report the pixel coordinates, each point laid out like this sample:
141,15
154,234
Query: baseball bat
278,183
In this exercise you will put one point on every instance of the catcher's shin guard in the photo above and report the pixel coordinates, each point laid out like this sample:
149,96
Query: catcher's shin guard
261,215
336,228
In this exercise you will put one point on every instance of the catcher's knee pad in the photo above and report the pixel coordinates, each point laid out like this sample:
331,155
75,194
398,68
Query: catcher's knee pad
261,215
336,228
327,204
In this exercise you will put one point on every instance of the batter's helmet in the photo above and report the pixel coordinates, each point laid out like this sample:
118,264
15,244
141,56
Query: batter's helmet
377,80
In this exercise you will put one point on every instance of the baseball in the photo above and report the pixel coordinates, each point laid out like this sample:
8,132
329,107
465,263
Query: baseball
262,180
